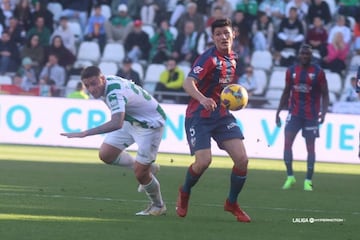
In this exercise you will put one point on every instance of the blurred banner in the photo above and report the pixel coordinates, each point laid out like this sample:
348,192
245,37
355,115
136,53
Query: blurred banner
40,120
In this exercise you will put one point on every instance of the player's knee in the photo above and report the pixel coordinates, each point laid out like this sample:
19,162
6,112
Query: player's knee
106,158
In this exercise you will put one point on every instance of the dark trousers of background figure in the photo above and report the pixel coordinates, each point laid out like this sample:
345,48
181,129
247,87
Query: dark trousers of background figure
7,65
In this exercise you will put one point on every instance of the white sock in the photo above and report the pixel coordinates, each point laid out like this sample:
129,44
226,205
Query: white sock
152,190
125,160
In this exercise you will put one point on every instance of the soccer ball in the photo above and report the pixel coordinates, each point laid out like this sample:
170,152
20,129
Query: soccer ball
234,97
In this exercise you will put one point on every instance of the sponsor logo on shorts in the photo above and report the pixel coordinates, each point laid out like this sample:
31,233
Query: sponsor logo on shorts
231,125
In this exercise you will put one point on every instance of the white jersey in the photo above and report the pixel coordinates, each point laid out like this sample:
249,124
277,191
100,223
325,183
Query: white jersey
122,95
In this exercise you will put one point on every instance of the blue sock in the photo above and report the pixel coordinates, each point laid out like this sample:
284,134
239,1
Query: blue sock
237,180
288,158
191,179
310,166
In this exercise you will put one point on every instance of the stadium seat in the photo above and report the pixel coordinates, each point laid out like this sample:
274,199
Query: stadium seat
75,28
174,31
108,68
71,85
4,79
332,6
262,60
113,52
347,82
273,98
152,75
261,81
186,69
139,69
277,79
149,30
334,82
332,98
56,9
354,63
89,50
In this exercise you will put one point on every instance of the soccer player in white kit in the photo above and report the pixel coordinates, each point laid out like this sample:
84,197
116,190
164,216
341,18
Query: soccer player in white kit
136,117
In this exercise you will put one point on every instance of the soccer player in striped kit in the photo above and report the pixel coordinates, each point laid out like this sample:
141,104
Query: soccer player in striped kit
206,118
358,91
306,96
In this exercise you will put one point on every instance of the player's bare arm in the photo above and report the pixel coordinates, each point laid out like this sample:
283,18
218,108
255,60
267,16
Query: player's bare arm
115,123
283,103
190,87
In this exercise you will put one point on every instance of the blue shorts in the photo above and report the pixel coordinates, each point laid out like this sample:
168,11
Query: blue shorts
310,128
199,131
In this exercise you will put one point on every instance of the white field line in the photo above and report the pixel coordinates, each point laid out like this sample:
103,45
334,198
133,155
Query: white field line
34,195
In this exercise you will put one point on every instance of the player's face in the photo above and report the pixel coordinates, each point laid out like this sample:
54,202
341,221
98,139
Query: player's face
305,56
223,39
95,85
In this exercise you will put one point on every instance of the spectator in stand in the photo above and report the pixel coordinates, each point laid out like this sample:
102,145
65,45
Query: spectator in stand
65,58
23,13
241,47
248,80
127,72
34,51
171,80
137,43
7,12
275,10
161,44
185,44
300,5
16,31
337,52
118,26
77,10
340,26
42,11
350,94
148,12
349,8
263,32
249,8
9,54
356,32
242,22
216,13
289,39
96,28
317,37
177,12
224,5
79,92
193,15
66,34
41,30
27,73
321,9
45,89
54,74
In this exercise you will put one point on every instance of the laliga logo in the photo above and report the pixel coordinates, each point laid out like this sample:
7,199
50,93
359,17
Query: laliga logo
197,69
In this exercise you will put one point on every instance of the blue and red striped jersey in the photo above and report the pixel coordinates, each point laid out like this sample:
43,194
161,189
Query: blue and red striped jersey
358,80
212,71
306,93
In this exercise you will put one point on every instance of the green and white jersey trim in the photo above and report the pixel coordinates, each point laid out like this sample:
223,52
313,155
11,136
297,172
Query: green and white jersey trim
140,108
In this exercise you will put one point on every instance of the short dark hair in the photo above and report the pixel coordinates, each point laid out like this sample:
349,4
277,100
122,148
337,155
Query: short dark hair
306,47
222,22
92,71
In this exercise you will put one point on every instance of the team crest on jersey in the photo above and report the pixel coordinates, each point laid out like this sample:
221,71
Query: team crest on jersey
312,76
113,101
197,69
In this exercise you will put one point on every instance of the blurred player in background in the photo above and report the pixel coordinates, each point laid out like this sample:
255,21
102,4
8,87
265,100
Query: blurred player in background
206,118
136,117
306,96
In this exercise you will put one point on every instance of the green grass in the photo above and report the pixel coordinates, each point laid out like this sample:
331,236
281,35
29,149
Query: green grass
63,193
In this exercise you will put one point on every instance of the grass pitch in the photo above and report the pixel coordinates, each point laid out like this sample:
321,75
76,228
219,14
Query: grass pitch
62,193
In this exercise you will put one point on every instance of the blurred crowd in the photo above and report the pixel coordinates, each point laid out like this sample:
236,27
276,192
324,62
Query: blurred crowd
39,48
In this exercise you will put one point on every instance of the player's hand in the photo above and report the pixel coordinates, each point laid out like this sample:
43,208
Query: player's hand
209,104
74,135
278,121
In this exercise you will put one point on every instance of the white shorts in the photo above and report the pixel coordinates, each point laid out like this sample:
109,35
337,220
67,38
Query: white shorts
147,139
